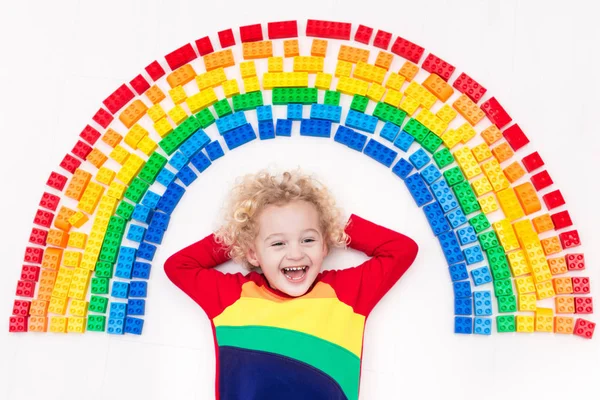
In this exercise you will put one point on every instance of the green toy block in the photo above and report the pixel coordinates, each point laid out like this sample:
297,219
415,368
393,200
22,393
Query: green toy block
152,168
332,98
98,304
432,142
96,323
110,246
503,287
479,222
205,118
176,138
387,113
222,108
453,176
359,103
116,224
498,263
507,304
416,130
506,323
247,101
99,285
125,210
488,240
443,158
466,197
136,190
104,269
283,96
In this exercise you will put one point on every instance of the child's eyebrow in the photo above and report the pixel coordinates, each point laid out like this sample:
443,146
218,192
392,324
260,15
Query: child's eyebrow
278,234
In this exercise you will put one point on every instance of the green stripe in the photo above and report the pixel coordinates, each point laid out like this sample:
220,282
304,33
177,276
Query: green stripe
337,362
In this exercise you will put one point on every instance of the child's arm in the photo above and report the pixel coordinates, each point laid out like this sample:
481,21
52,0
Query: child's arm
392,253
191,269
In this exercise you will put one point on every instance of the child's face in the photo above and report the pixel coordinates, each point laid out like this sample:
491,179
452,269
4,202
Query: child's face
289,236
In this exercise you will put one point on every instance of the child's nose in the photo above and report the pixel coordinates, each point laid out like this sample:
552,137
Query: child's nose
294,253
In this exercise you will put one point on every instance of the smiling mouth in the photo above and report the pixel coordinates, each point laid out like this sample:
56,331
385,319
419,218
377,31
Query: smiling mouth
295,274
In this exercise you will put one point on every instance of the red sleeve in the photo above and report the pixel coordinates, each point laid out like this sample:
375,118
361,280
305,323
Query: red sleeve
363,286
191,269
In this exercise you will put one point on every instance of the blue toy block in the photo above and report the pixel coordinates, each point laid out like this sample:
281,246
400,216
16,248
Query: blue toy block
120,290
361,121
403,141
138,289
165,177
444,195
458,272
481,275
466,235
350,138
294,112
435,217
136,233
402,168
380,152
431,174
463,306
463,325
117,310
389,131
170,198
326,111
214,150
126,255
195,143
418,189
115,326
154,235
450,247
315,128
151,199
482,302
264,113
123,270
456,218
200,161
141,270
159,221
134,325
266,130
187,175
239,136
142,213
283,127
462,289
146,251
483,326
136,307
231,122
473,254
178,160
419,158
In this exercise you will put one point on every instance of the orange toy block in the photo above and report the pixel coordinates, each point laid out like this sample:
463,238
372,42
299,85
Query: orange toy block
491,134
514,172
528,198
37,324
564,325
255,50
468,109
48,276
353,54
503,152
564,304
551,245
52,258
155,95
563,285
557,265
291,48
38,308
78,183
223,58
97,158
543,223
318,48
181,76
439,87
409,70
384,60
112,138
132,114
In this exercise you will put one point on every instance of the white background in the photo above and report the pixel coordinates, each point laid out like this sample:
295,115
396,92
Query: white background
61,59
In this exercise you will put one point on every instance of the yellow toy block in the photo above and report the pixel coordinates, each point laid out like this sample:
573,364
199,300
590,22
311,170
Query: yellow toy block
557,265
514,172
409,70
564,304
107,207
256,50
369,73
376,92
544,320
275,64
451,138
251,84
218,59
488,203
201,100
491,135
318,48
343,68
467,162
211,79
467,132
481,186
432,122
507,237
155,95
285,79
323,81
446,113
481,152
61,286
71,258
524,229
132,114
544,290
135,134
57,305
247,69
527,302
156,112
468,109
564,325
177,114
180,76
525,284
525,323
104,175
75,325
58,324
163,127
130,169
177,94
422,95
77,240
510,204
116,190
551,245
231,88
384,60
79,283
147,145
351,86
395,81
291,48
90,197
493,171
392,97
308,64
353,54
78,219
78,308
439,87
409,105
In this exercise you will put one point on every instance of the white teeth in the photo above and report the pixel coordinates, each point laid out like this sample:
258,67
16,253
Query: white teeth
294,268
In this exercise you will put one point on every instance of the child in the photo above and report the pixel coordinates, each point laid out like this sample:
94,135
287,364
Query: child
293,332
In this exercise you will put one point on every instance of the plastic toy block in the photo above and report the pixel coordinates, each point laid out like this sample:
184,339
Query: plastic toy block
70,163
494,173
155,95
136,190
515,137
56,237
387,113
72,258
444,195
96,323
481,276
165,177
438,87
473,255
58,324
359,103
361,121
583,305
498,263
465,84
563,285
363,34
21,308
351,86
384,60
482,302
462,289
466,235
141,270
226,38
514,172
52,258
222,108
563,325
569,240
390,131
551,245
350,138
404,141
419,159
528,198
506,323
58,305
456,218
120,290
435,217
488,240
425,98
502,152
369,73
343,68
275,64
231,88
90,134
580,285
119,154
463,325
557,265
491,135
134,325
283,127
181,56
200,161
402,168
138,289
178,114
503,287
30,273
575,262
266,130
315,128
544,290
382,39
525,323
450,248
99,285
431,174
561,220
290,48
527,302
380,153
251,33
136,110
57,181
76,324
407,49
98,304
136,233
258,49
324,111
282,29
458,272
436,65
218,59
204,46
496,113
104,269
468,109
43,218
376,92
136,307
418,189
467,162
118,99
454,176
299,95
117,310
525,285
544,320
251,84
78,184
584,328
463,306
452,137
116,326
49,201
443,158
231,122
323,82
37,324
541,180
328,29
318,48
507,304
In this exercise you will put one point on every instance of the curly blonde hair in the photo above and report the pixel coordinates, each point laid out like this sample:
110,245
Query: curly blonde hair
252,192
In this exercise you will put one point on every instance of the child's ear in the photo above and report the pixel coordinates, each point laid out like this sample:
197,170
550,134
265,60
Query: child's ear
251,257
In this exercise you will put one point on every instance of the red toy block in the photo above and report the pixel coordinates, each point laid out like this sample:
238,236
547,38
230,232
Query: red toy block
49,201
575,262
584,305
561,219
532,161
363,34
251,33
204,46
38,236
496,113
81,150
21,308
407,49
541,180
30,273
581,285
328,29
139,84
282,29
118,98
17,324
181,56
25,288
226,38
57,181
569,239
436,65
553,199
155,70
468,86
70,163
43,218
515,137
584,328
102,118
33,255
90,134
382,39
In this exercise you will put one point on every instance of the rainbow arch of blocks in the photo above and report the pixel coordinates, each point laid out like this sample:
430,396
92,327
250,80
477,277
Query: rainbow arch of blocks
126,185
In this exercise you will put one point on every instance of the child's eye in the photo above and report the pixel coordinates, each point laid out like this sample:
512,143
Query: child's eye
277,243
309,240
